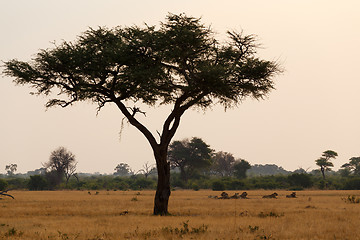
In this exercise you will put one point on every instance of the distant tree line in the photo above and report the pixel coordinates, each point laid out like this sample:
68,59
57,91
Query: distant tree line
194,166
292,181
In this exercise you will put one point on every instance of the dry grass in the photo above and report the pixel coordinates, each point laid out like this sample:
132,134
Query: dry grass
78,215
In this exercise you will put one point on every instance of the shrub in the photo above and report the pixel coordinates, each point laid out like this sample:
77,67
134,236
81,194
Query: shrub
37,182
352,184
218,186
195,187
16,182
300,180
142,183
235,184
3,184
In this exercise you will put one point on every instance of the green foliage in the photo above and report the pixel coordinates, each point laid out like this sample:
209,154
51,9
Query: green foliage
240,168
3,184
301,180
353,166
325,163
123,169
190,156
181,62
218,186
295,181
17,182
143,183
37,182
352,183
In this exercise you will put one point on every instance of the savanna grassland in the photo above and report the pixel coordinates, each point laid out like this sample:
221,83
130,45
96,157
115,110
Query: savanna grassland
128,215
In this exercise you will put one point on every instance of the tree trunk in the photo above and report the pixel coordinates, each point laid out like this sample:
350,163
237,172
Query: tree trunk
183,174
163,187
323,172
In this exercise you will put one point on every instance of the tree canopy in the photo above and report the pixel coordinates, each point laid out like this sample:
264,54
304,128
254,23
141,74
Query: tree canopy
11,169
240,168
353,165
180,62
189,156
123,169
62,163
324,162
223,163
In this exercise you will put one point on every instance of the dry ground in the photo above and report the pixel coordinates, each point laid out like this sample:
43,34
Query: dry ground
79,215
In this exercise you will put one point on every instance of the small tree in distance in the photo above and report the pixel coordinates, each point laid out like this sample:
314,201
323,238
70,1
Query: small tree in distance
180,63
123,169
190,156
11,169
147,169
240,168
61,164
223,163
325,163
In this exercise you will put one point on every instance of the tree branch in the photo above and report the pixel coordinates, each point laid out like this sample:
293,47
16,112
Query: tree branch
4,193
133,121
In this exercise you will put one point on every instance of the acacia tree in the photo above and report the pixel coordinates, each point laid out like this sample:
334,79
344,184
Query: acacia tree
324,162
178,63
189,156
353,165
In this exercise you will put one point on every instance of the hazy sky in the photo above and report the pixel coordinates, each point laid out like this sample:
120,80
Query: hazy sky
315,107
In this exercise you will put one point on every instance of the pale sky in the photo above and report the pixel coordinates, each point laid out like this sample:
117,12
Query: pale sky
315,107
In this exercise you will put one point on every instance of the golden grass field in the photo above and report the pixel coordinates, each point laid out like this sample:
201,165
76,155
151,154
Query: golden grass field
79,215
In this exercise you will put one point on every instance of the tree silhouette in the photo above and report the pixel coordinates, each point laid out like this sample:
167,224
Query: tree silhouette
189,156
147,169
11,169
240,168
61,164
353,165
325,163
123,169
223,163
178,63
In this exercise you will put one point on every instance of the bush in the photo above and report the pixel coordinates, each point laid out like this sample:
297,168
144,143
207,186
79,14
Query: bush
352,184
37,183
301,180
235,184
195,187
3,184
142,183
175,180
218,185
16,182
